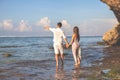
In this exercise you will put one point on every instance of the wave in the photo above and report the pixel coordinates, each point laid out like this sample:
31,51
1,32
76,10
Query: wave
10,46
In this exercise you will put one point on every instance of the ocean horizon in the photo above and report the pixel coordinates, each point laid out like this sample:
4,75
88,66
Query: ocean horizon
52,36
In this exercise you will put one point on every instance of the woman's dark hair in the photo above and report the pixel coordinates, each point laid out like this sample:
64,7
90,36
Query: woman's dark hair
76,31
59,24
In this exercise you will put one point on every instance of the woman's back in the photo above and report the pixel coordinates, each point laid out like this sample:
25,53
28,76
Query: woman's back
75,41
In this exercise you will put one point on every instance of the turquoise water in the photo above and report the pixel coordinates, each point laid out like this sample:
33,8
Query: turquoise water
39,48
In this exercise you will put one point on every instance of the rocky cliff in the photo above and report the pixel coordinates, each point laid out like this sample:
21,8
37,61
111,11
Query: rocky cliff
112,37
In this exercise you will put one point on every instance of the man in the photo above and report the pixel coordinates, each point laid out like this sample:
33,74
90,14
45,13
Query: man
58,48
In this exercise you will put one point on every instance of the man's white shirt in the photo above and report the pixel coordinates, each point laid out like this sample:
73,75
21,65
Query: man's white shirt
58,35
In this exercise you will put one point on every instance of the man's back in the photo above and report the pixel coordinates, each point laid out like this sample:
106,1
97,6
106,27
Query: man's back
58,34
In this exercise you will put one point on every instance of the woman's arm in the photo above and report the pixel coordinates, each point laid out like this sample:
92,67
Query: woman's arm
73,37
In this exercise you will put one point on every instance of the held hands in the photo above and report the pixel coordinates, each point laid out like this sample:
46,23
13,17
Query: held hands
67,45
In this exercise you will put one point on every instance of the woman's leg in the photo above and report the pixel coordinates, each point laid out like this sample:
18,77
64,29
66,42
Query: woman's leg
79,55
78,60
75,56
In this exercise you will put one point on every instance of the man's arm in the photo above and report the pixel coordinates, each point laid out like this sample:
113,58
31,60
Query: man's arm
65,39
47,28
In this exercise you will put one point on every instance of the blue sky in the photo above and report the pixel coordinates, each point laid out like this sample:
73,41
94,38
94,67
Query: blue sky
23,17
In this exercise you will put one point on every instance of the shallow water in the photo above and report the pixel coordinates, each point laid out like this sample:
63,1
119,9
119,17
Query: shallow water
33,58
38,48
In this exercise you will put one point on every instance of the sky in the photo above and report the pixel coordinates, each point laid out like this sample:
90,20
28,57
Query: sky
28,17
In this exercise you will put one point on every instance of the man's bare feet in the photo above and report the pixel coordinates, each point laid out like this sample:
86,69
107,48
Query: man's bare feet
62,63
57,64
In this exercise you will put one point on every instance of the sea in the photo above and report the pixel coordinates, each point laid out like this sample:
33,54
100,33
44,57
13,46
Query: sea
41,48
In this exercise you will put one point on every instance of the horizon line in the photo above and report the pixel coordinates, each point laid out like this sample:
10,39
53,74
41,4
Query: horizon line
52,36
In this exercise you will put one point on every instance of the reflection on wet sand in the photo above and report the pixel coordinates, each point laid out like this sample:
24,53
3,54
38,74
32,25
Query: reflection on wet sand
76,73
61,74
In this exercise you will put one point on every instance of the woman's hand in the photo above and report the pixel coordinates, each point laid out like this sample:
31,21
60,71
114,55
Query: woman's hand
67,45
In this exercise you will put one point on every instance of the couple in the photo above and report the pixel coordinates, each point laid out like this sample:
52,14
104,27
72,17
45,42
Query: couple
58,47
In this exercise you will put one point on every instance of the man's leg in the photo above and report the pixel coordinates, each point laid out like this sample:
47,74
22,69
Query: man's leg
61,54
56,58
56,50
62,58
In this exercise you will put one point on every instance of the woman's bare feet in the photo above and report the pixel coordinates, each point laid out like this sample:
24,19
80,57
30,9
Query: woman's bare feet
78,63
75,64
78,60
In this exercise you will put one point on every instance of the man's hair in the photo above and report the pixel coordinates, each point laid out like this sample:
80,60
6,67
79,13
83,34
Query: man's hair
59,24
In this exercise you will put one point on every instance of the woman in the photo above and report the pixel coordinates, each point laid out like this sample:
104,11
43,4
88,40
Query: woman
76,50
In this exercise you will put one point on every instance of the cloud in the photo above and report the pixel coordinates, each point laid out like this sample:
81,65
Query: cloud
65,23
6,24
96,26
23,26
90,27
46,21
43,22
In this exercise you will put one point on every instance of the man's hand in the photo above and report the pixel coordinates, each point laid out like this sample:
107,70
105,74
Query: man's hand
46,27
67,45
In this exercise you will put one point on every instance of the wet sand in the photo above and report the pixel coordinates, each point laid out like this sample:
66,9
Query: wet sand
90,68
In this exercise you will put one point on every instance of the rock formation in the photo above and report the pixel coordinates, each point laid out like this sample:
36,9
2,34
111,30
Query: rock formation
7,54
112,37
